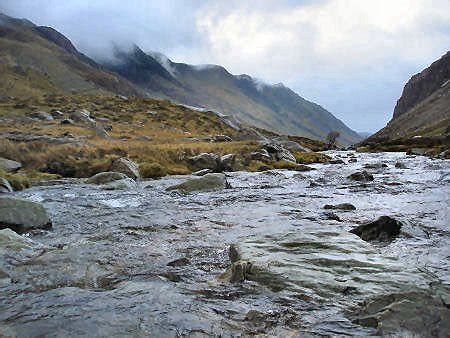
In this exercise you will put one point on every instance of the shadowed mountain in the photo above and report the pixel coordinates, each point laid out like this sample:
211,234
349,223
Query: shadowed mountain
273,107
424,107
37,60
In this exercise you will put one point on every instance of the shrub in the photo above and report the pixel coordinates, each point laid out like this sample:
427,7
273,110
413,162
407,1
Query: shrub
152,170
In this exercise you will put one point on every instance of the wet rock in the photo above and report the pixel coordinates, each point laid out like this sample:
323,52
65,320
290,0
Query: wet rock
375,165
9,165
204,183
262,155
352,160
230,162
127,183
172,276
106,177
362,176
5,187
335,161
342,206
237,272
411,314
400,165
222,138
202,172
67,121
205,161
332,216
302,167
41,115
384,229
179,262
22,215
126,166
417,151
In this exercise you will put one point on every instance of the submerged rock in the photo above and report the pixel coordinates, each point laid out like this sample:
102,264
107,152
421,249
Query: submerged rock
126,183
342,206
411,314
204,183
375,165
106,177
384,228
126,166
335,161
362,176
237,272
22,215
400,165
9,165
5,187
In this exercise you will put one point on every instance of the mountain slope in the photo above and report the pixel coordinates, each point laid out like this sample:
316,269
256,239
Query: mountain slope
37,60
424,107
273,107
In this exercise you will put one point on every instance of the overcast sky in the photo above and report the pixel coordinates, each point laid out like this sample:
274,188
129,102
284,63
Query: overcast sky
351,56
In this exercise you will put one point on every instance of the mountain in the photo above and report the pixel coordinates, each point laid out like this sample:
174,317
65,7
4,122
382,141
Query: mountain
273,107
36,60
424,107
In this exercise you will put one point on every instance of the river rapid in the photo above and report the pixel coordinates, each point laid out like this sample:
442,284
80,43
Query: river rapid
147,262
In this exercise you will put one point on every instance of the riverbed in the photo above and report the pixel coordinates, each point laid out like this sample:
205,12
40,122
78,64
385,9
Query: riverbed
147,262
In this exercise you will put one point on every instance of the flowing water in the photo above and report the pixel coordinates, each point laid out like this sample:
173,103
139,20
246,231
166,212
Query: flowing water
103,269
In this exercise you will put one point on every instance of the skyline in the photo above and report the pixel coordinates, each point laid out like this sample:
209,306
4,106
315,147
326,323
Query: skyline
320,49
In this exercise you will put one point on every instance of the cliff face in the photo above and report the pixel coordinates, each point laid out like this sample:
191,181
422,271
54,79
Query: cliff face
422,85
424,107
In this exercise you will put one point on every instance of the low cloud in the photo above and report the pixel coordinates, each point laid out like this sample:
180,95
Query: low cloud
351,56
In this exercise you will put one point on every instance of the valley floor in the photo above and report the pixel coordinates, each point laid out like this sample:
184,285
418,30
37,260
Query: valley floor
150,262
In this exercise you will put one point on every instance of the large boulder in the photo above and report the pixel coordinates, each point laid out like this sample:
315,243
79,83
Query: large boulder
126,166
9,165
205,161
22,215
230,162
384,229
279,153
362,176
106,177
5,187
204,183
261,155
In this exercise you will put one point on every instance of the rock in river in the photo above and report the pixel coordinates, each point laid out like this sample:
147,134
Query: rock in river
126,166
204,183
362,176
5,187
342,206
21,215
384,228
106,177
126,183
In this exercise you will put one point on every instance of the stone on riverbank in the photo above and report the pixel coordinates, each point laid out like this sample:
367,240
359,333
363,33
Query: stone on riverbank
126,166
9,165
22,215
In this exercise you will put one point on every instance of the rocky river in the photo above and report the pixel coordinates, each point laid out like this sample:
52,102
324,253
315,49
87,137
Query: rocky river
263,257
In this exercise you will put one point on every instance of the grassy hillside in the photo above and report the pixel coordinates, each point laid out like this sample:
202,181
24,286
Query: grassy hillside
157,134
